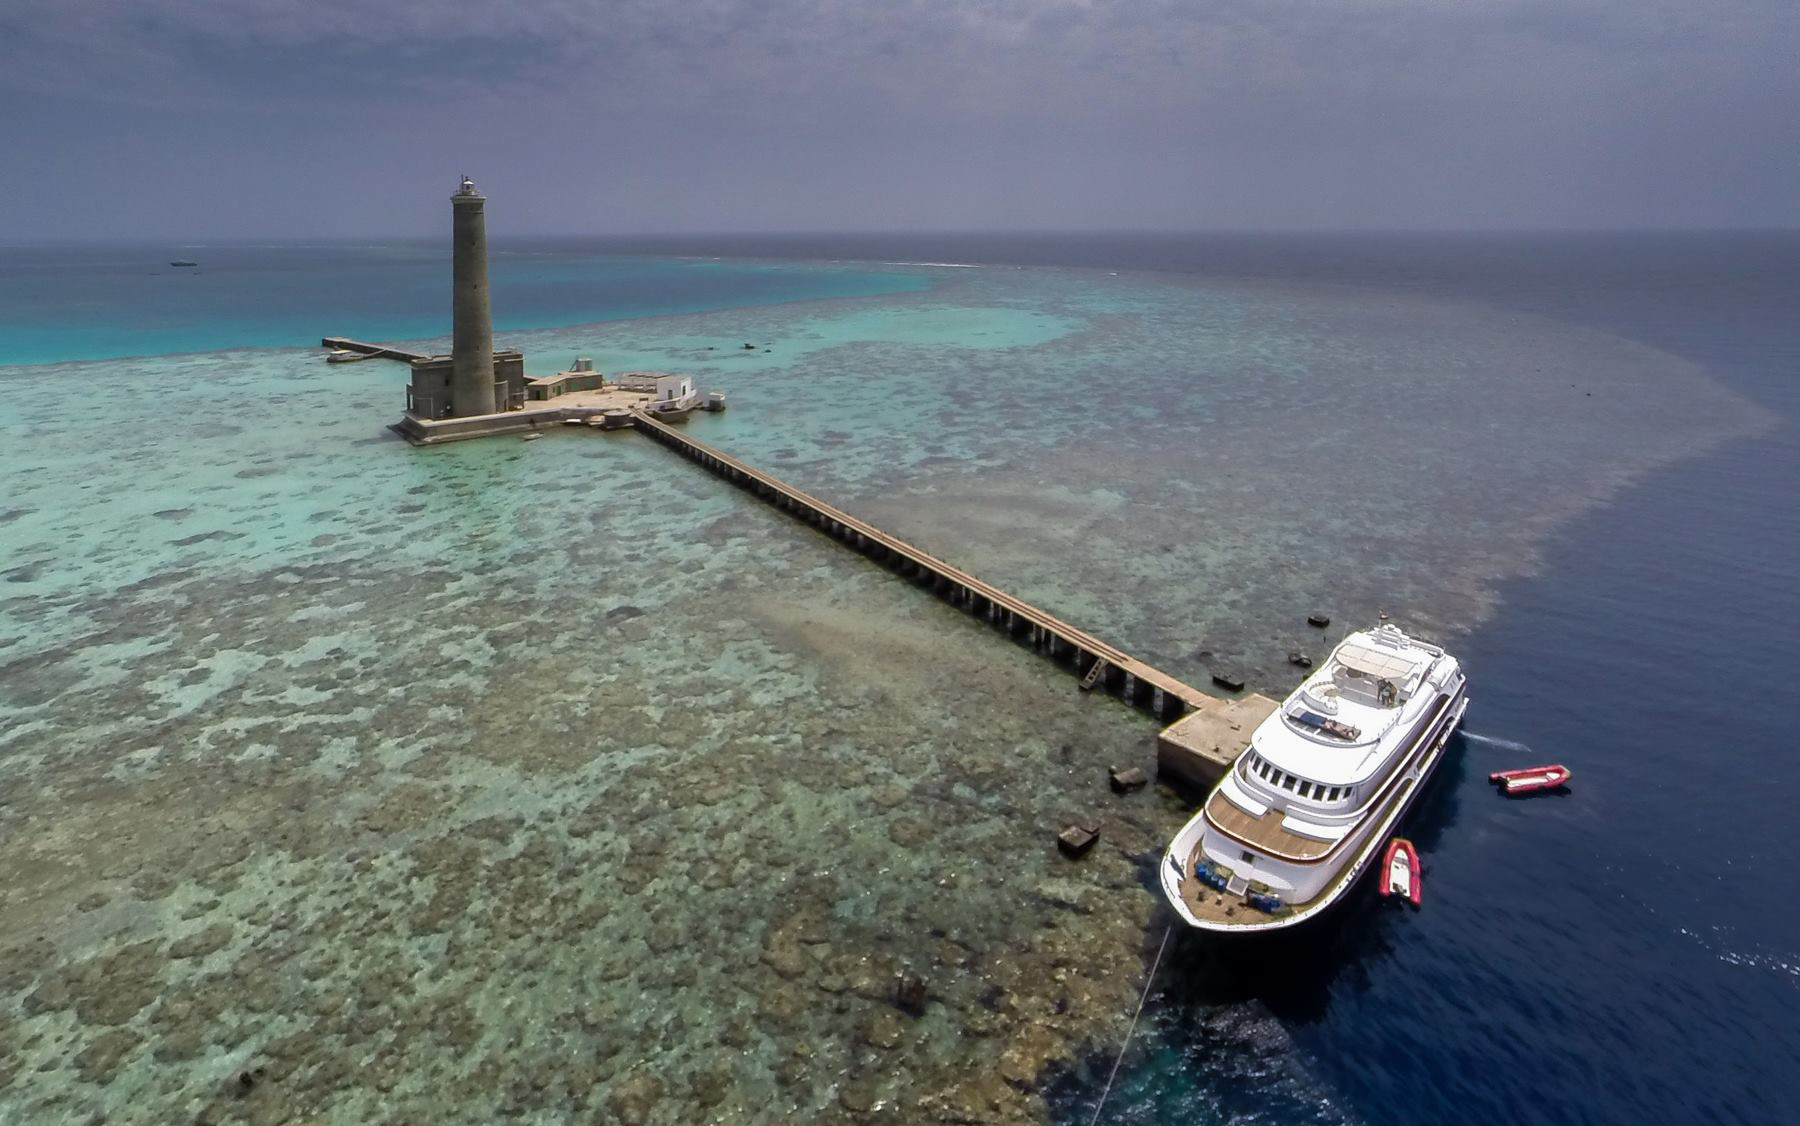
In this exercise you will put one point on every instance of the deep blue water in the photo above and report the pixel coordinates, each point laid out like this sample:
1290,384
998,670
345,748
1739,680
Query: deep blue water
1627,953
1630,952
103,301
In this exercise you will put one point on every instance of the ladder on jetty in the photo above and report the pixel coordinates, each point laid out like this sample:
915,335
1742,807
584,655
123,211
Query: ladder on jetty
1138,683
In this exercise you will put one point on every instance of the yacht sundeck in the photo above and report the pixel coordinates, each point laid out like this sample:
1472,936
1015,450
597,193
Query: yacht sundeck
1323,784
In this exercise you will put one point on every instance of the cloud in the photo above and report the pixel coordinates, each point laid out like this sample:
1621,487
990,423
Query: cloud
971,54
1318,110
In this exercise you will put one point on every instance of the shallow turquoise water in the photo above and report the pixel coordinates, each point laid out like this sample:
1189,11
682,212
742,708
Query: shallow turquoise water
531,779
60,303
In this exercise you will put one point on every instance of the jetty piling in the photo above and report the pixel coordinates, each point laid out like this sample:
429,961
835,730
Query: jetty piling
1089,658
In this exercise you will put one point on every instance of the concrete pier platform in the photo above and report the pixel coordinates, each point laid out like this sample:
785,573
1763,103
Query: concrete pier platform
378,351
1199,748
575,405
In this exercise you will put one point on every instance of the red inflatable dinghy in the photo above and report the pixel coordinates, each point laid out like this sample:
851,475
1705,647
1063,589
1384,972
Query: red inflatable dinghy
1531,779
1400,870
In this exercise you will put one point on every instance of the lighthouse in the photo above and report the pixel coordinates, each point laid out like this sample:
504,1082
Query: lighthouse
473,380
472,332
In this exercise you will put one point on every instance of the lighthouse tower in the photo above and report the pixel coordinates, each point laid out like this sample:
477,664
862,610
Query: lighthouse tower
472,332
473,380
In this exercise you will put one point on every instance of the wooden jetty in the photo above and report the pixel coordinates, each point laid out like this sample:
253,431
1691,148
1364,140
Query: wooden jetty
1097,663
378,351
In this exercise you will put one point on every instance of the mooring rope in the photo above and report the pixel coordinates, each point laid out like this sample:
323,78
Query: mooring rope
1126,1046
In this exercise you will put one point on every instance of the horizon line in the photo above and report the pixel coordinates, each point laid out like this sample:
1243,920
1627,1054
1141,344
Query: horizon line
297,241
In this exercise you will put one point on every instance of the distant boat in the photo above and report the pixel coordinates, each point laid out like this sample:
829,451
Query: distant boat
675,397
344,356
183,262
675,410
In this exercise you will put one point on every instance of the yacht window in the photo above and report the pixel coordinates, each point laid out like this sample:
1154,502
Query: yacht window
1306,789
1289,782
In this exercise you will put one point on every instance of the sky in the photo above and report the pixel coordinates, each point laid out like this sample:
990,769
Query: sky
352,118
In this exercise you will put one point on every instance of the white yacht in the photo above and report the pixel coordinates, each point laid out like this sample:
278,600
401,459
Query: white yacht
1322,786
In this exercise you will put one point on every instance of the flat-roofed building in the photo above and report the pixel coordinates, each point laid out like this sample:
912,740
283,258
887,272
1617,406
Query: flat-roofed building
431,394
546,387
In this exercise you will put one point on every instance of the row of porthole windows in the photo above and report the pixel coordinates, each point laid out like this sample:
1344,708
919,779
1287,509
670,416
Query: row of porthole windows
1313,791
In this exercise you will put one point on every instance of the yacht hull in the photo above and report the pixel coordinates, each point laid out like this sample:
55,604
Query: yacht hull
1364,850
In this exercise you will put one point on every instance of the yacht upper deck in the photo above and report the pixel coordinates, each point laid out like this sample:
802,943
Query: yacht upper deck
1334,728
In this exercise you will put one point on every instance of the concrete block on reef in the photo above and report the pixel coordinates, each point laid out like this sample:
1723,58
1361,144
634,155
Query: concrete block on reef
910,994
1319,620
1076,840
1228,681
1127,779
1299,660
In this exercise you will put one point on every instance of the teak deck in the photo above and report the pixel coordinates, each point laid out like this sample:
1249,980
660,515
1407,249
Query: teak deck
1265,833
1208,903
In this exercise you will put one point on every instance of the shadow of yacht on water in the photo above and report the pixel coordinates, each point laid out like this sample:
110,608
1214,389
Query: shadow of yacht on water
1215,1028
